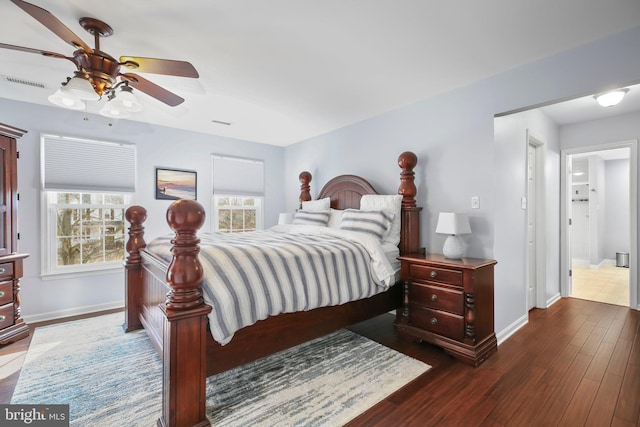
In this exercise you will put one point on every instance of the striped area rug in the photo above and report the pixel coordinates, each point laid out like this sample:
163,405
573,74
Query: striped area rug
111,378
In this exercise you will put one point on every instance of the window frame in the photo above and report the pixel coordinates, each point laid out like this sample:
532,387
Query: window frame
49,258
258,207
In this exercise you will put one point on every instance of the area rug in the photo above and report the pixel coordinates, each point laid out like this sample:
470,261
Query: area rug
111,378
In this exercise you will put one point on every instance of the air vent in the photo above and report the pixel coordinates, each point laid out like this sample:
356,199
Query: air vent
23,82
220,122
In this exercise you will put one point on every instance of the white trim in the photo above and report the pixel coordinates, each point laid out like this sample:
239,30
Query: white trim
541,219
554,299
503,335
76,311
565,255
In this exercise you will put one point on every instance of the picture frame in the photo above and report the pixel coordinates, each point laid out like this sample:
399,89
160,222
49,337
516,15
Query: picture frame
176,184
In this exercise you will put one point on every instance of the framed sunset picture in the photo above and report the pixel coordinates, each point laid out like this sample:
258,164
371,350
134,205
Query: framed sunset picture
175,184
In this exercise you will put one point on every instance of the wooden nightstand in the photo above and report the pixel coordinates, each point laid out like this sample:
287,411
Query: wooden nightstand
449,303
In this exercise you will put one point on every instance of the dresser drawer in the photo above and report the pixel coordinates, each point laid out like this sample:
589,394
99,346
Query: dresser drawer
435,274
6,316
6,292
439,322
437,297
6,271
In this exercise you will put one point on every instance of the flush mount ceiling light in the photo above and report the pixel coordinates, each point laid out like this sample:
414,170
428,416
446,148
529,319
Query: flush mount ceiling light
611,98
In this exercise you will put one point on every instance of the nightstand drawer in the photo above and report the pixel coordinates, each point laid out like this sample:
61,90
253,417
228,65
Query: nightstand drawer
437,297
6,316
6,292
6,271
439,322
435,274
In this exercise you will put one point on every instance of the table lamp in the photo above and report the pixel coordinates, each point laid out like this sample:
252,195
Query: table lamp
453,224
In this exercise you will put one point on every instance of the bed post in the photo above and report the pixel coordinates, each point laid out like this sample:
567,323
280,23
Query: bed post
185,340
136,215
410,238
305,195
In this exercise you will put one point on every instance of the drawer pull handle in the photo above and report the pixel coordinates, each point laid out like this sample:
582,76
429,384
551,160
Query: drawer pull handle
1,294
2,270
2,318
434,297
433,274
434,321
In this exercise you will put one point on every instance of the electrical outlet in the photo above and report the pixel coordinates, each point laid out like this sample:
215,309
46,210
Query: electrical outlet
475,202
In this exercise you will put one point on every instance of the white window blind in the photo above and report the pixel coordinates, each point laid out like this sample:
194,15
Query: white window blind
238,176
87,165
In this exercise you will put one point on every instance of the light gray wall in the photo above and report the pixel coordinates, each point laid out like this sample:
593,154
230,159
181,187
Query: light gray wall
156,146
616,224
453,136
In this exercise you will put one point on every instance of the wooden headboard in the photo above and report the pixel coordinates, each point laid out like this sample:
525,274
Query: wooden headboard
345,192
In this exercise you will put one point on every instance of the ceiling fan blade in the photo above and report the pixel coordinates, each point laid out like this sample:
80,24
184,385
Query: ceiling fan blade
160,66
54,24
38,51
152,89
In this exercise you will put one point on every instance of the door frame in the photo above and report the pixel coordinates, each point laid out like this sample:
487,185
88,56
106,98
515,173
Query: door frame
565,191
541,222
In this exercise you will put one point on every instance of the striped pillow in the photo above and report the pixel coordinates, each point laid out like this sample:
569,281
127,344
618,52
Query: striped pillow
317,218
371,223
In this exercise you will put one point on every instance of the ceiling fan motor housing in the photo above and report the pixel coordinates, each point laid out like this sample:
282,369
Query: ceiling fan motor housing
101,69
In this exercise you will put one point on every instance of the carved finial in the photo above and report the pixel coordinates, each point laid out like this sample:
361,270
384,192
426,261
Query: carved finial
184,274
407,161
136,215
305,179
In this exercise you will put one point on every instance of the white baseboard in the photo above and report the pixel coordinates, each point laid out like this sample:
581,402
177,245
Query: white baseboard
76,311
554,299
512,329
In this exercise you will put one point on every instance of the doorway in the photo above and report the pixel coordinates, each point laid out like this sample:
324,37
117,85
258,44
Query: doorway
600,222
536,226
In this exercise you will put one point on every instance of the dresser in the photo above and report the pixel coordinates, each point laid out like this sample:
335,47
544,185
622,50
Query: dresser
12,327
449,303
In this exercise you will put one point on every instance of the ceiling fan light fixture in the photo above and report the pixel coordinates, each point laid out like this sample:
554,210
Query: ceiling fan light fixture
81,88
611,98
66,100
114,111
125,100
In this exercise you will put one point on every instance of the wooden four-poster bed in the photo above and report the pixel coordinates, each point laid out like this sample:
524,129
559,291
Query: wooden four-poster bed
167,300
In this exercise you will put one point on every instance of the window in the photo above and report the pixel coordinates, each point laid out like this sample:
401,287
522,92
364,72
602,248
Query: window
233,214
238,187
87,186
89,229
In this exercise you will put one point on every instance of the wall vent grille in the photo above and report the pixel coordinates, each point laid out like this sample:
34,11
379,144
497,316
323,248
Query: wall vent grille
19,81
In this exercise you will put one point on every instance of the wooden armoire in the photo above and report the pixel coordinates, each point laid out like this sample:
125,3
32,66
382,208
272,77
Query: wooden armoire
12,327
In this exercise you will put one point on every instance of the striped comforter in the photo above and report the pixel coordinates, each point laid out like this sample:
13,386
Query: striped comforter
250,276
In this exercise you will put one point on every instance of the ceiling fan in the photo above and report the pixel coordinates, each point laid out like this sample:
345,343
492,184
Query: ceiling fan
101,70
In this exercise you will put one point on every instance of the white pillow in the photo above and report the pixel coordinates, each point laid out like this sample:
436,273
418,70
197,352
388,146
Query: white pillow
317,218
389,203
372,223
317,205
335,217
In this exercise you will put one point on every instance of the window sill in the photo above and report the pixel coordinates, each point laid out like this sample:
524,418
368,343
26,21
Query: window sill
115,268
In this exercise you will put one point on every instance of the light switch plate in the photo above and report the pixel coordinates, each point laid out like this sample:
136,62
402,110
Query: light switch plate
475,202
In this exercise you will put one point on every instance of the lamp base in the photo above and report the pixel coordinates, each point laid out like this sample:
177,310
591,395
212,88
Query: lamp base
452,247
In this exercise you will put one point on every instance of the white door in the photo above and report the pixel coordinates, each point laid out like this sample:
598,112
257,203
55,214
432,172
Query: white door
531,227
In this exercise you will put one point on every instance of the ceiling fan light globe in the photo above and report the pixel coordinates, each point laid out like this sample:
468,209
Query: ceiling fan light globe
125,100
66,101
81,89
113,111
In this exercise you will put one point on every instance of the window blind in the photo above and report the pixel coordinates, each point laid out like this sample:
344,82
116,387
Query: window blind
236,176
70,164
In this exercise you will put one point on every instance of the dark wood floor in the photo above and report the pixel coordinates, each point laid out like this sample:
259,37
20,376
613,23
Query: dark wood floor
576,363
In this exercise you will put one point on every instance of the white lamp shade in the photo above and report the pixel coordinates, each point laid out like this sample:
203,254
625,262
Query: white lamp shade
66,100
126,101
114,111
81,89
285,218
453,223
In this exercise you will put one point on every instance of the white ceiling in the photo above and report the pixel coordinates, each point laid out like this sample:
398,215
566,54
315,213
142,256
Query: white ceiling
282,71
